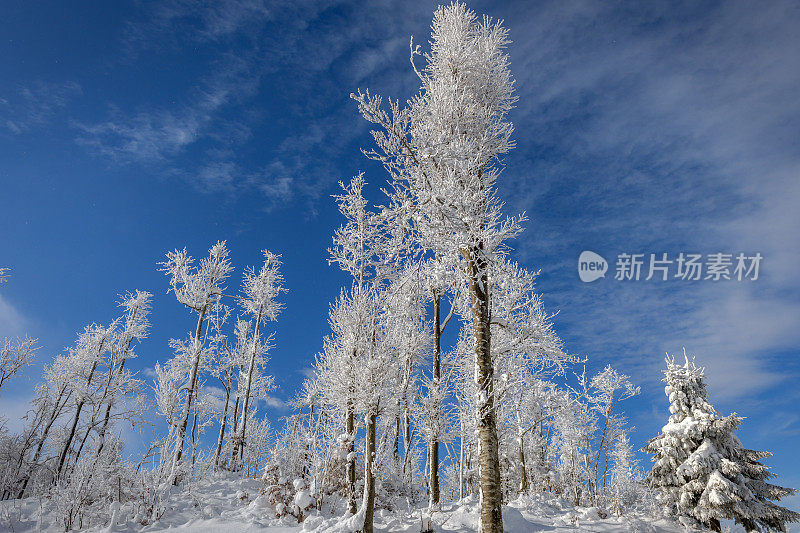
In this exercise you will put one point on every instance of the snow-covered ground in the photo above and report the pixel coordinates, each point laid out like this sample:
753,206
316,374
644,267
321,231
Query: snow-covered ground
227,505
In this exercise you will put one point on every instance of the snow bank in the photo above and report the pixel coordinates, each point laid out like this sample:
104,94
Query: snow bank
236,506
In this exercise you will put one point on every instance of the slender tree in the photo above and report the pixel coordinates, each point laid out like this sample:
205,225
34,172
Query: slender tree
197,288
260,291
443,151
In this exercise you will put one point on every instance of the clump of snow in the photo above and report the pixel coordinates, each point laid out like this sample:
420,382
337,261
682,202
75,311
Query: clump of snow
303,499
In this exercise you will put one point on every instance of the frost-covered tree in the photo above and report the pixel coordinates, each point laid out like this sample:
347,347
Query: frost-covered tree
198,288
15,354
104,383
525,349
586,424
222,367
701,470
439,279
336,371
574,424
443,152
120,383
607,388
259,301
356,374
353,366
84,393
626,490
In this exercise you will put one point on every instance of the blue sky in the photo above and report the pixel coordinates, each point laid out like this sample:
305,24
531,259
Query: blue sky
129,129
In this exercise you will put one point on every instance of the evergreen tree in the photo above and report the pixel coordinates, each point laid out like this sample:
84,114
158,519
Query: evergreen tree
701,469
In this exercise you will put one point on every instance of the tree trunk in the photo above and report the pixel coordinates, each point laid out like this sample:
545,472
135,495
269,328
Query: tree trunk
194,437
523,475
749,525
68,444
461,461
107,418
407,470
433,452
84,440
238,445
350,469
369,475
488,453
224,422
396,438
181,437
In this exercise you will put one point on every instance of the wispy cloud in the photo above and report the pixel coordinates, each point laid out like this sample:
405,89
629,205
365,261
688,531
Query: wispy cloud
273,402
12,322
678,138
32,107
145,136
316,46
191,21
156,135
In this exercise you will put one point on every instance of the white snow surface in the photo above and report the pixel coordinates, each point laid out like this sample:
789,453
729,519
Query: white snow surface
236,506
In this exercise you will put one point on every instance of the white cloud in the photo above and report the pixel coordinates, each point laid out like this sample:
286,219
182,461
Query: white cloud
182,21
682,137
12,322
14,409
272,401
35,106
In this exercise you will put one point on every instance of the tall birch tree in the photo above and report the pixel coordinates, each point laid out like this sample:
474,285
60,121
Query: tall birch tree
443,152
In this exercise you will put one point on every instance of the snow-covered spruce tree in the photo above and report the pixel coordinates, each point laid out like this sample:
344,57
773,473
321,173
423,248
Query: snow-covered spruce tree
443,152
701,470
